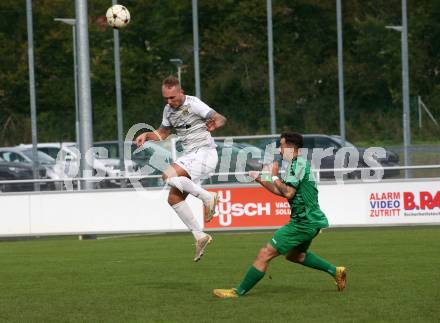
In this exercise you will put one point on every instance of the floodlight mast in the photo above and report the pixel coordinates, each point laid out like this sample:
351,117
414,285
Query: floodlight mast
405,87
72,22
84,89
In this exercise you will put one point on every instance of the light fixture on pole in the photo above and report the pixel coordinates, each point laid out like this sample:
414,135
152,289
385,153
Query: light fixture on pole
178,62
396,28
72,22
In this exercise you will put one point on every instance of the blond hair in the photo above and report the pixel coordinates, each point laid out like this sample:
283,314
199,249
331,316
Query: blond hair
171,81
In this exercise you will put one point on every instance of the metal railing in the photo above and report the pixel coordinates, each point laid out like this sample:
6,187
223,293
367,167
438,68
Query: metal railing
321,174
138,178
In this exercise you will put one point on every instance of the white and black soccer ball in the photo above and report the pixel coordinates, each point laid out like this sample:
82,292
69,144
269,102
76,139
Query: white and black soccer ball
118,16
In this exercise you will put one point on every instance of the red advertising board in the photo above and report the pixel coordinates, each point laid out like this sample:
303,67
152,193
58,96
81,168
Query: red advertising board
249,207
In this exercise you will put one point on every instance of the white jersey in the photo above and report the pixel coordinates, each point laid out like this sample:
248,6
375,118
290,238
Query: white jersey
189,121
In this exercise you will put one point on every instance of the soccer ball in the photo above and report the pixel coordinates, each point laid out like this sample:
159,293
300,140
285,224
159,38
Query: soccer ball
118,16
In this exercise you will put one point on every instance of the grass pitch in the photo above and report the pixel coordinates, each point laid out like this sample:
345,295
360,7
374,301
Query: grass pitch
393,277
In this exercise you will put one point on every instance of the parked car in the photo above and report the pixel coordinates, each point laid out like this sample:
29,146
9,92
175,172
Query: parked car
155,156
25,155
151,159
51,149
229,161
68,163
331,145
11,171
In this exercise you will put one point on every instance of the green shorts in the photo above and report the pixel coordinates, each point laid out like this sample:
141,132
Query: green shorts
293,236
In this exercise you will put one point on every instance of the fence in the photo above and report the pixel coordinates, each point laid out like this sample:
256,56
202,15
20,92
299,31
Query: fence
243,153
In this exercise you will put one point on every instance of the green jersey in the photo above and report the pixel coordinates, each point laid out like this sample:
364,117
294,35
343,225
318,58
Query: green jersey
304,205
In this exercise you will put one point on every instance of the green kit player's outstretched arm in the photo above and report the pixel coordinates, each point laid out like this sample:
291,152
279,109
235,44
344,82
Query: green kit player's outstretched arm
276,186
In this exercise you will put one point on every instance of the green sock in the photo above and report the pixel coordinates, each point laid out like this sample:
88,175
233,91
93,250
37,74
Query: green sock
313,261
253,276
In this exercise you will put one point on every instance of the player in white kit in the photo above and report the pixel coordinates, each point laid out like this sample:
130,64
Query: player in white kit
193,121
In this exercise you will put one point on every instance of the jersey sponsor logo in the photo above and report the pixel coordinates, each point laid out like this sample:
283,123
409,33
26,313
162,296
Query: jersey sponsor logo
404,204
185,110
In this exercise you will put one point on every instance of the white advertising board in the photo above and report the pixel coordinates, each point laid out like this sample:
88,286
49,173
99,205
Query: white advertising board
391,203
354,204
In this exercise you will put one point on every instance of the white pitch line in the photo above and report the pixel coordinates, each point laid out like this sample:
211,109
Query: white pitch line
127,236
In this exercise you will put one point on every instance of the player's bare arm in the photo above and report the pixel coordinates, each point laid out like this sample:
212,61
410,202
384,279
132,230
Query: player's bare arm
277,186
268,185
215,122
286,191
159,134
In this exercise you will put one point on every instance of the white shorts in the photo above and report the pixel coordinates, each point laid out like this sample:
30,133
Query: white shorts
199,164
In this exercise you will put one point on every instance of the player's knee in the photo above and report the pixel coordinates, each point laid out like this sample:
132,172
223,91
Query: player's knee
296,257
175,196
264,255
169,174
172,181
172,200
165,177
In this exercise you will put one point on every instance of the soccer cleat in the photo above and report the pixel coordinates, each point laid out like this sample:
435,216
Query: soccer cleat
201,245
341,278
210,206
225,293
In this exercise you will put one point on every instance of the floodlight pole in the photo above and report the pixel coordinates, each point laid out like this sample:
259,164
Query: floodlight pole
419,110
75,73
30,36
84,92
119,113
273,125
195,20
72,22
340,71
405,88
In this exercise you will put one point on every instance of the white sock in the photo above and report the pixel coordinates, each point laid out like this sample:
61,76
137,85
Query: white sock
185,214
184,184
